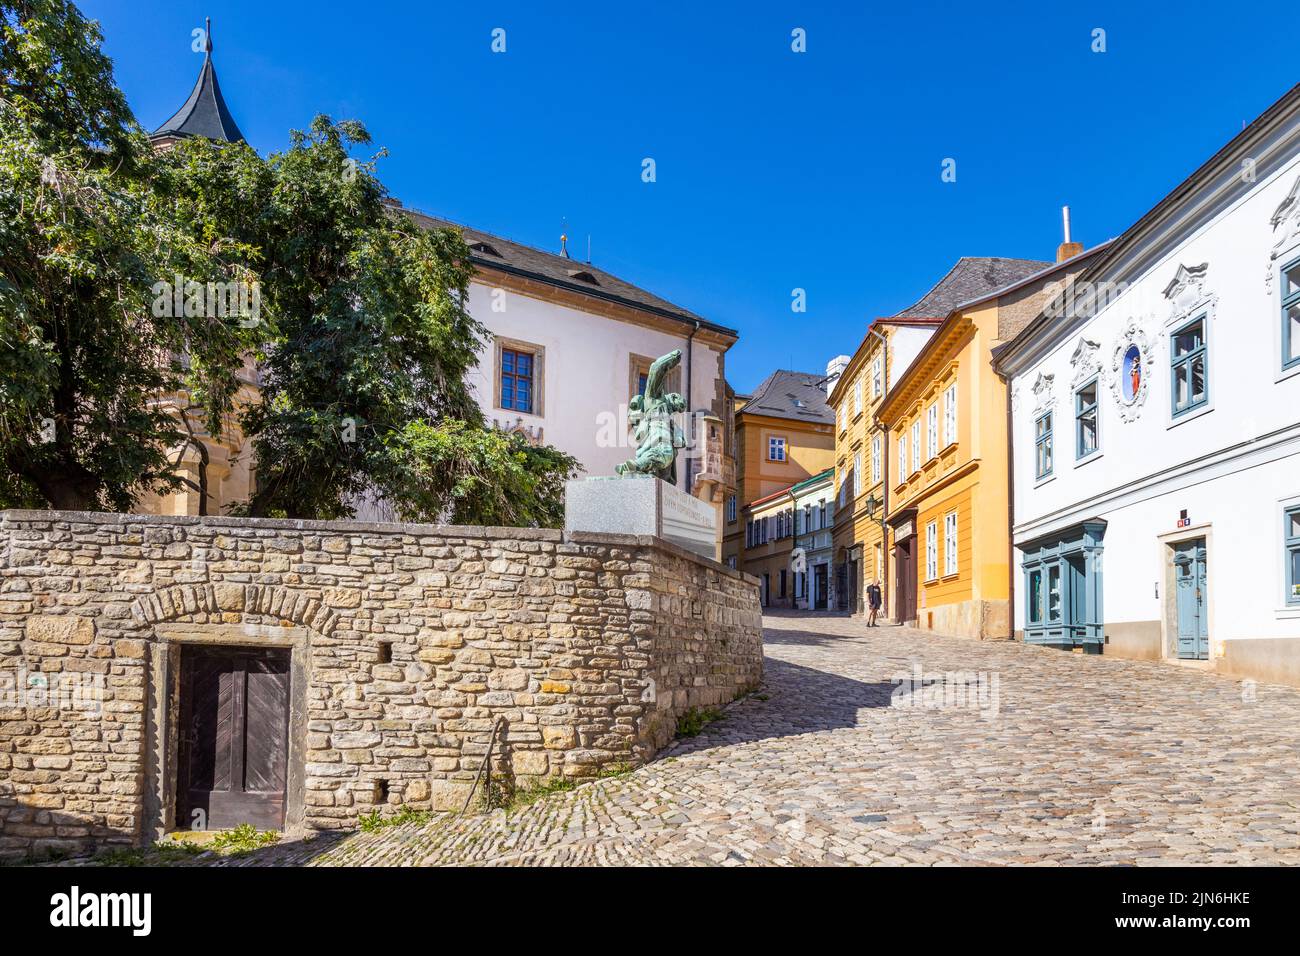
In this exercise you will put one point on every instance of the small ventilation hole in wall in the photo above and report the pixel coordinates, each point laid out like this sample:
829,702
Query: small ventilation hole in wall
381,791
385,652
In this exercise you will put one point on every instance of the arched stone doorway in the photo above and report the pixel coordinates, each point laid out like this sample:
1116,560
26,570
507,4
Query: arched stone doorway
227,710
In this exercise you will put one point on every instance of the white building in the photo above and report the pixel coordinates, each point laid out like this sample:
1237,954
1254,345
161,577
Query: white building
571,343
1156,428
814,514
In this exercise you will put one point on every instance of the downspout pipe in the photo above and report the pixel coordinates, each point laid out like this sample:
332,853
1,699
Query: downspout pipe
884,474
1011,512
690,411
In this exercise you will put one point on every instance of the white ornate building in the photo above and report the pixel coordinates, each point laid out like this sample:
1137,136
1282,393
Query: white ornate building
1156,427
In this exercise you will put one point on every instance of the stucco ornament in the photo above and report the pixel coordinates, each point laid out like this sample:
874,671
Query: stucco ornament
1044,392
654,430
1286,231
1086,361
1130,368
1189,294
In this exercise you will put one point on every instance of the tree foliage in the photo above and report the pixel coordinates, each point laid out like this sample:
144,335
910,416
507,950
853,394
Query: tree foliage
83,240
363,341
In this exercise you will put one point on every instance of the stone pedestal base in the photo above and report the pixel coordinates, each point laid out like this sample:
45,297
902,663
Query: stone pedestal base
641,505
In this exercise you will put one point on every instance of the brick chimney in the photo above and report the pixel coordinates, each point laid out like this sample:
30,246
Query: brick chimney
1067,249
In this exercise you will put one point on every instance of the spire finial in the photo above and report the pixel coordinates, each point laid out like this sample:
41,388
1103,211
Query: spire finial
207,33
564,250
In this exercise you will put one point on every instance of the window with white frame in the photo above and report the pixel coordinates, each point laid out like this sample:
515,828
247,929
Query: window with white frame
857,397
931,551
902,458
731,507
932,431
857,473
776,448
950,415
950,543
877,453
844,415
877,377
916,445
844,485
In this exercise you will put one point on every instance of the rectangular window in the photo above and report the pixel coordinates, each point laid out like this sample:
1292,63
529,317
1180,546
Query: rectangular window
857,397
1291,315
902,458
950,543
916,445
931,551
749,533
776,449
1034,594
1054,593
1085,420
1291,533
731,507
1188,367
877,377
844,415
950,415
877,453
1043,446
857,473
932,431
516,380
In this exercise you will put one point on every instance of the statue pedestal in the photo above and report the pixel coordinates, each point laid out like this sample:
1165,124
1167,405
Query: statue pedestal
641,505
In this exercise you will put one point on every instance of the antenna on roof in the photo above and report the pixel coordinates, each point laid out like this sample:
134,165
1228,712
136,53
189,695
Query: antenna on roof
588,248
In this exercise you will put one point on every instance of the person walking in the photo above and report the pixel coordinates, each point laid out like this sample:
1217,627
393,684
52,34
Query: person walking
873,602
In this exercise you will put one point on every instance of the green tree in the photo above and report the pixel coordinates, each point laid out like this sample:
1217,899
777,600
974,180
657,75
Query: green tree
363,381
83,243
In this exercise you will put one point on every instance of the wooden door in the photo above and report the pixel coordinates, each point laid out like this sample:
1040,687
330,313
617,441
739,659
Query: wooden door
1189,587
234,746
905,579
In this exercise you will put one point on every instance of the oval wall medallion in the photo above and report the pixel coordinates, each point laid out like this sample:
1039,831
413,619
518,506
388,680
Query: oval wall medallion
1131,366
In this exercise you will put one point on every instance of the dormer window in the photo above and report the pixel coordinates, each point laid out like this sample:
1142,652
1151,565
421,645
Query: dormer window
583,276
485,248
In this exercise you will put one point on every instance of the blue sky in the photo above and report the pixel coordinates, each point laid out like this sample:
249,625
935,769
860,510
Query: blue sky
775,170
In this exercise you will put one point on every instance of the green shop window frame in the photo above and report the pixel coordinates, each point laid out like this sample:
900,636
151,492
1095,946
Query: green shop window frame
1291,553
1063,588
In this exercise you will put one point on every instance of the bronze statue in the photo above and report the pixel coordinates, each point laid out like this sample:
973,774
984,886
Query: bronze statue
656,433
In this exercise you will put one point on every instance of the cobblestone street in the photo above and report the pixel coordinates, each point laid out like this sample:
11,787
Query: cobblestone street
1059,759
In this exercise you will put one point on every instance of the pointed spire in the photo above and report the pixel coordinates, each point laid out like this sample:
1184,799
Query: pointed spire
204,113
564,249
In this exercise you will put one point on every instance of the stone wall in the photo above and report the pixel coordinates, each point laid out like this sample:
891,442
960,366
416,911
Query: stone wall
408,643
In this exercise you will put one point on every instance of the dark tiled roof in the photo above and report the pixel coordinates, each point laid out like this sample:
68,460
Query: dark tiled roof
797,395
495,252
205,112
971,278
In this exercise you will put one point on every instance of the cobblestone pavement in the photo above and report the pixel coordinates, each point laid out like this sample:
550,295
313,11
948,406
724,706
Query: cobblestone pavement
1062,759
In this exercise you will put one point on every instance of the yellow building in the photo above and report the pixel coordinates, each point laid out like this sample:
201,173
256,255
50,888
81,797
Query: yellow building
948,496
859,548
784,433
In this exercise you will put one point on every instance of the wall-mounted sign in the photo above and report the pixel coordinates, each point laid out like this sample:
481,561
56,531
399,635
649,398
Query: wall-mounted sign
1183,520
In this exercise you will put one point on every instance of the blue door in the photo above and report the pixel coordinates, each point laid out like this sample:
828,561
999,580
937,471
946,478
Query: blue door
1189,578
